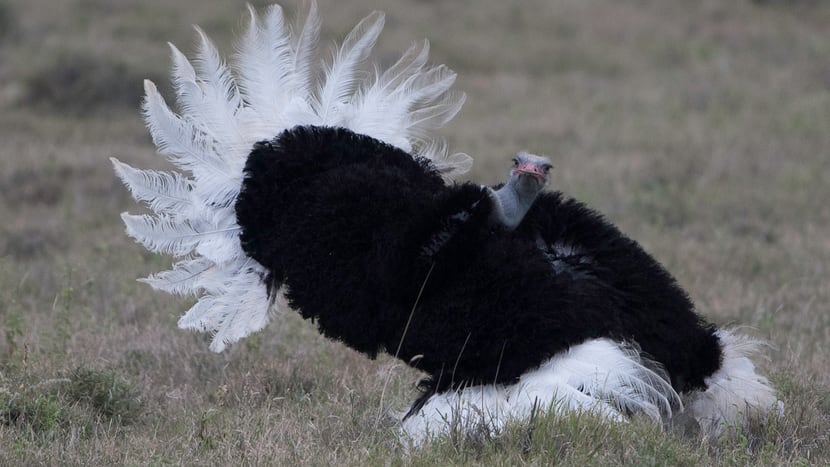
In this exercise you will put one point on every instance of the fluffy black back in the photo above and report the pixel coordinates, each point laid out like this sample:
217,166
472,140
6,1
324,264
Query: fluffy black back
355,228
650,308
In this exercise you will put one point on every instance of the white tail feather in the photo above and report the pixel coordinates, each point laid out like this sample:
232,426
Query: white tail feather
735,393
274,83
599,376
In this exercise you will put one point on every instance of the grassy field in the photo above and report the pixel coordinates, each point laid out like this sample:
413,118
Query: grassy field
701,128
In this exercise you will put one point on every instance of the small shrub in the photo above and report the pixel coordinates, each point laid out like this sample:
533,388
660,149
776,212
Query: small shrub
206,435
12,327
39,413
110,395
77,84
294,386
6,21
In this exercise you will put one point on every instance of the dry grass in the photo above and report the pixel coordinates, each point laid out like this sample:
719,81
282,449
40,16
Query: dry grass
701,128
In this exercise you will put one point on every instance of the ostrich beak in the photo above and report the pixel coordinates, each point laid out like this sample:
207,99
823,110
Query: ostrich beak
532,170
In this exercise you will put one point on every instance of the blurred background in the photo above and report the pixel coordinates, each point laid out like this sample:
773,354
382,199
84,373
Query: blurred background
701,128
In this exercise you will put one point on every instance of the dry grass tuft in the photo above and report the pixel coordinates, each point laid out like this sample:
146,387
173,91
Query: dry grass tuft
106,394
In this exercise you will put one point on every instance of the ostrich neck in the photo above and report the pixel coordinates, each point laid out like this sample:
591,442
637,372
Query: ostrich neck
513,200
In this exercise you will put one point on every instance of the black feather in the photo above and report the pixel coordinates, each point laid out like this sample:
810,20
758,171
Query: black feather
353,227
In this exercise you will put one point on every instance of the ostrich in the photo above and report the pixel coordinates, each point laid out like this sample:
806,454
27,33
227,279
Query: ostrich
335,195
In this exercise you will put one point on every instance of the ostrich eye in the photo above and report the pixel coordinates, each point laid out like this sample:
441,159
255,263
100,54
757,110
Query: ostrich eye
515,162
546,168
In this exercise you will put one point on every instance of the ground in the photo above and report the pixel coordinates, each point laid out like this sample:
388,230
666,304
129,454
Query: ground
701,128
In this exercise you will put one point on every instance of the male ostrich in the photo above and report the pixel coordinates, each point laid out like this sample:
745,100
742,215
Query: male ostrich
333,194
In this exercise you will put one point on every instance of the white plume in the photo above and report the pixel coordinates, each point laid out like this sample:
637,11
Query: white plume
599,376
275,82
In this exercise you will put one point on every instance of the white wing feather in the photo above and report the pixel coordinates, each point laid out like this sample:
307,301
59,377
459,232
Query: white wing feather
344,73
305,50
599,376
218,311
168,193
187,277
167,235
735,394
275,82
266,70
191,149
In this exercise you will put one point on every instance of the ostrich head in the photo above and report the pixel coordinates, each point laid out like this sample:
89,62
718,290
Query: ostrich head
530,173
527,178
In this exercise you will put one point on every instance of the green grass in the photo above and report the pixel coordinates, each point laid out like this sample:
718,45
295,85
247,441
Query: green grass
701,128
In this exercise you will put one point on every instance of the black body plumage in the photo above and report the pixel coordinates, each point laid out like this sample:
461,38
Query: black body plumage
355,227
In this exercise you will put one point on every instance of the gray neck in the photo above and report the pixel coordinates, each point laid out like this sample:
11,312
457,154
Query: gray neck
513,200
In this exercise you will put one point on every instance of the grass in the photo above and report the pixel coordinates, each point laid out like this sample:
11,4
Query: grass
701,128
